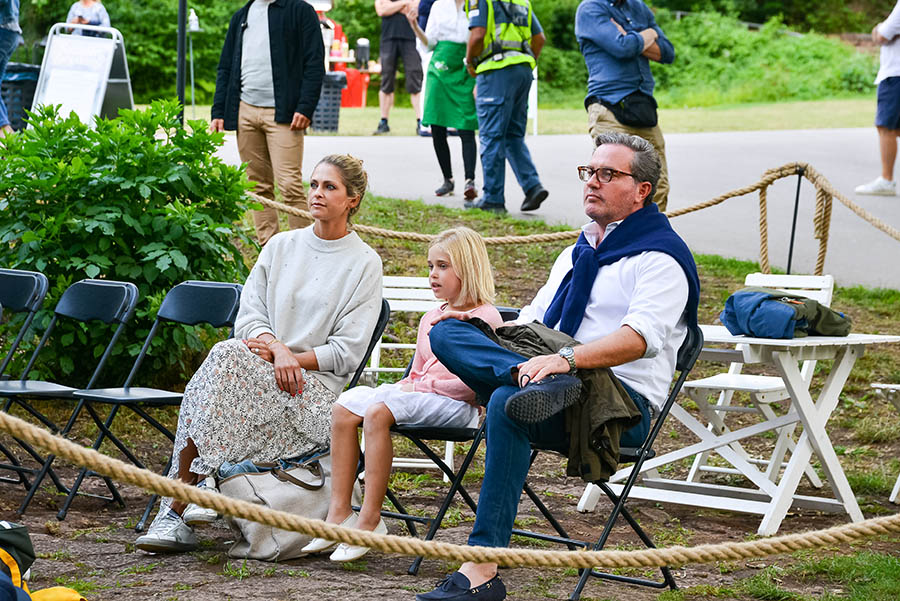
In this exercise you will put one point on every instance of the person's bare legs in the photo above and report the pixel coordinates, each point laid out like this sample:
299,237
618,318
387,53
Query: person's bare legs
416,100
478,573
385,103
344,459
887,142
379,456
185,458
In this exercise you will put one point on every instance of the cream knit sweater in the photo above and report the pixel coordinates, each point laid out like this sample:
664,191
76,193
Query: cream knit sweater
315,294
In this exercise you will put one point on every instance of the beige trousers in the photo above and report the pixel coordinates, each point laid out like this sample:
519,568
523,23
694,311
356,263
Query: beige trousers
274,155
601,119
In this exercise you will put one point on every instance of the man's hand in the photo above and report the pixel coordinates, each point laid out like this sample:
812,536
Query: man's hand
217,125
460,315
877,37
538,368
470,69
299,121
288,373
260,349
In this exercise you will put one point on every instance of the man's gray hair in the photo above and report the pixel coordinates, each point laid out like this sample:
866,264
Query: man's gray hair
645,166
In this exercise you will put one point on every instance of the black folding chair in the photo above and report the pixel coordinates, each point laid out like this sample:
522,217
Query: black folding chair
189,303
20,292
419,436
687,356
85,301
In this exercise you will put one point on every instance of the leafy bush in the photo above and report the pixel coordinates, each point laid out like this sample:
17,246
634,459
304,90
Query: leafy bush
136,199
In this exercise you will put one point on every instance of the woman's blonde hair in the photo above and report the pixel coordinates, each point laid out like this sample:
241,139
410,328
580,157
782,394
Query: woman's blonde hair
353,176
469,258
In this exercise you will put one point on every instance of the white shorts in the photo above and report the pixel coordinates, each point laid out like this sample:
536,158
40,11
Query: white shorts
411,408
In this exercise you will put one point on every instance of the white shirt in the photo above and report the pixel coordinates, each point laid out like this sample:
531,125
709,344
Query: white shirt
447,23
257,87
647,292
890,52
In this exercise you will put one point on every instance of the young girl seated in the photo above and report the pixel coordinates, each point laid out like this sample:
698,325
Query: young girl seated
460,273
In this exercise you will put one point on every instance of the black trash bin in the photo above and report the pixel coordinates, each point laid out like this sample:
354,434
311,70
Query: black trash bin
328,110
17,88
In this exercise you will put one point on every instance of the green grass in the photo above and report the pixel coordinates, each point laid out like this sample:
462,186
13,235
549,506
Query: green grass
808,114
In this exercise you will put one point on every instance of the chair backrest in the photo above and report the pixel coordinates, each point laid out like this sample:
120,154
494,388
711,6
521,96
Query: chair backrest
380,325
108,301
104,300
192,303
816,287
405,294
21,292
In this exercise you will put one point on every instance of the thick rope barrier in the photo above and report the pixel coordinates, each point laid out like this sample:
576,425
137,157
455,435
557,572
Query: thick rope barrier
671,556
825,192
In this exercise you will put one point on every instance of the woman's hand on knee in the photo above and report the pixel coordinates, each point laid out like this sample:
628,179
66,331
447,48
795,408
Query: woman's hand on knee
260,349
288,373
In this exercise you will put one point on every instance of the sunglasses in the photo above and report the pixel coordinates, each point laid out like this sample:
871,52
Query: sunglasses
604,174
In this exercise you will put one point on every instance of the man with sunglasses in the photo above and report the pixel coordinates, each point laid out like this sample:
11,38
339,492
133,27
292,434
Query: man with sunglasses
626,292
618,39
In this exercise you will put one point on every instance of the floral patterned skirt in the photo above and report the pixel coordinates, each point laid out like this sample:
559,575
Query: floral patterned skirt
233,410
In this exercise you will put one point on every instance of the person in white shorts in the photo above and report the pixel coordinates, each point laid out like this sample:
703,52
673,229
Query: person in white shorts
460,273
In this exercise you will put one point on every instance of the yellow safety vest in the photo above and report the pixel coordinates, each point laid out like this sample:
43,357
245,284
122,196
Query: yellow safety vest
507,43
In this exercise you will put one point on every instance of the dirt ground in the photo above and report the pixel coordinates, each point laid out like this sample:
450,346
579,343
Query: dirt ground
93,551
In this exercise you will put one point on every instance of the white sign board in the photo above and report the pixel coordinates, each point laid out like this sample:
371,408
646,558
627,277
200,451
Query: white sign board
76,73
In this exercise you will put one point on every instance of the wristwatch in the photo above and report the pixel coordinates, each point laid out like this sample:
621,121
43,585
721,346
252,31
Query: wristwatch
568,353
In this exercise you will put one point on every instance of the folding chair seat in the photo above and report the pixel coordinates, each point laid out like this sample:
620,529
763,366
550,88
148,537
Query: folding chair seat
687,356
762,390
21,292
88,300
189,303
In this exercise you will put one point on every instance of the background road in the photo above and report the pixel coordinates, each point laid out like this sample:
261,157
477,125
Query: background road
701,166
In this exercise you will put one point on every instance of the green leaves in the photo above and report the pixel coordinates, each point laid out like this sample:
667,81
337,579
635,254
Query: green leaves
116,202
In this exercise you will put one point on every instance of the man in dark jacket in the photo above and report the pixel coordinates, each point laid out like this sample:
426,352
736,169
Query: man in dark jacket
627,290
267,87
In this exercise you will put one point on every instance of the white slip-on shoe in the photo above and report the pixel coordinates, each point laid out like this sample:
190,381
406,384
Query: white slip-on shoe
318,545
194,515
878,187
346,552
169,535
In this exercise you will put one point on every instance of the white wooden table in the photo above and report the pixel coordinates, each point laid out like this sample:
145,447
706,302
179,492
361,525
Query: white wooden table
771,498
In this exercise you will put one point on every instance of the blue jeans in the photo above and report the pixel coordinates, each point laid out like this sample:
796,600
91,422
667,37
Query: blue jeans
486,368
9,41
501,101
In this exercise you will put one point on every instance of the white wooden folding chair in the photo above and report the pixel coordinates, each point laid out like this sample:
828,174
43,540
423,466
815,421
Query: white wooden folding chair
406,295
762,390
892,393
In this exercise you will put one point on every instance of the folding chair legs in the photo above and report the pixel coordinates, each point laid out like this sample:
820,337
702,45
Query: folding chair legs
456,481
620,509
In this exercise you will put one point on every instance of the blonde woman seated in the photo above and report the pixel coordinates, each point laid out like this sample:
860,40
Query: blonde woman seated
460,273
307,313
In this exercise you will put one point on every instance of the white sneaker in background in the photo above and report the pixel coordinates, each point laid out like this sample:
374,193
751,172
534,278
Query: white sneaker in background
878,187
194,515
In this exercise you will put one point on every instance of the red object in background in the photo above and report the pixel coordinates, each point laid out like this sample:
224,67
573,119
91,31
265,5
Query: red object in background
354,95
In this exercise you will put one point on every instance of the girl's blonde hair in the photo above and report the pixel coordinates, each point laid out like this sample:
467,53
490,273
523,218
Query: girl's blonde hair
353,176
469,258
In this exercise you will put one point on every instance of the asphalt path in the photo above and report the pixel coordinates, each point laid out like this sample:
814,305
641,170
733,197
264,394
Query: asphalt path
701,166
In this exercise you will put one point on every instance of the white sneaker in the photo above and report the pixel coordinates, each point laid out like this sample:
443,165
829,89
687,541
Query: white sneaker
346,552
194,515
878,187
168,535
320,545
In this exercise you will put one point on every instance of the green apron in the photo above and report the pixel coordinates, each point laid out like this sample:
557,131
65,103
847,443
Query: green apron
449,100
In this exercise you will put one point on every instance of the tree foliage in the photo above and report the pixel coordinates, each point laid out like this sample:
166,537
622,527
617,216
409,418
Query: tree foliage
138,199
